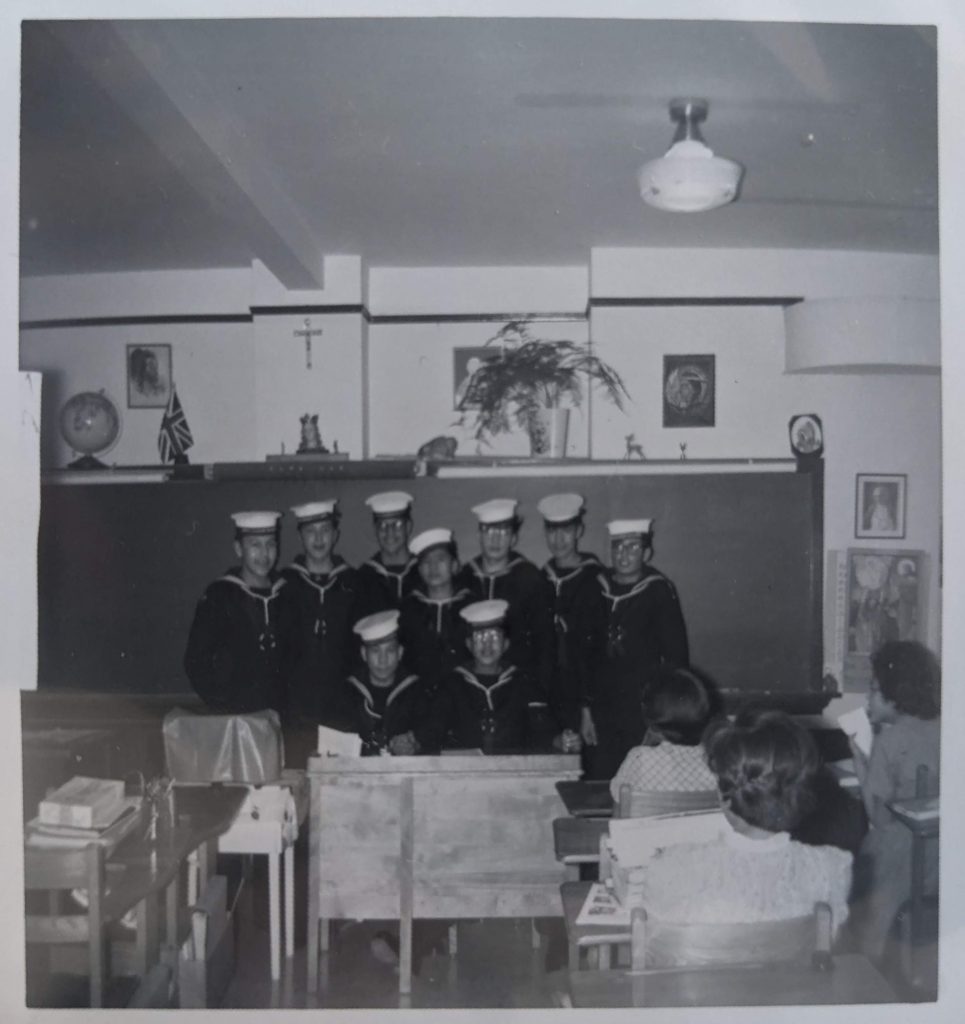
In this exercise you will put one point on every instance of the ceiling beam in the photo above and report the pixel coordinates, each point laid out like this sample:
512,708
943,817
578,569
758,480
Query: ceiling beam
170,101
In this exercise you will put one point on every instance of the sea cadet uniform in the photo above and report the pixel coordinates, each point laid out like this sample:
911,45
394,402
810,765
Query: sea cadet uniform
238,650
529,620
323,608
638,628
386,585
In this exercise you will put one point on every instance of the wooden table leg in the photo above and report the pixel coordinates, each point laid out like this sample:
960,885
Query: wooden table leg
274,914
146,944
193,873
314,887
406,851
289,901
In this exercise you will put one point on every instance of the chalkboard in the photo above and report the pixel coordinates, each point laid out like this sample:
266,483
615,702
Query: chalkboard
122,566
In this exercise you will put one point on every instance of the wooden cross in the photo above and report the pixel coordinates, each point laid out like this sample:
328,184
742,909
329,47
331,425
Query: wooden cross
307,333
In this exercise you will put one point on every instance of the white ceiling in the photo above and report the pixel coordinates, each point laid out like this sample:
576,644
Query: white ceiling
154,145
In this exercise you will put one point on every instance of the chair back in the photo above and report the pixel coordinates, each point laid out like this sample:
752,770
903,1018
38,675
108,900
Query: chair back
646,803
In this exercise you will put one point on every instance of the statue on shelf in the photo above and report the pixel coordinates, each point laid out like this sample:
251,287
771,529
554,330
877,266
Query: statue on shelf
311,439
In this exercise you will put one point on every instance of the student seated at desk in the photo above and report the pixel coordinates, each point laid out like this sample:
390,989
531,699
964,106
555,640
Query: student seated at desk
904,705
388,704
754,871
238,651
489,703
676,708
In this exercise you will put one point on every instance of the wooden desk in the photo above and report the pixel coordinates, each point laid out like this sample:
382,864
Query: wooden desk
853,979
434,837
577,841
585,936
586,799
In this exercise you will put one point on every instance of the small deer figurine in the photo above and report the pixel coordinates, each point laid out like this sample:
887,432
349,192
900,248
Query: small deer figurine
632,448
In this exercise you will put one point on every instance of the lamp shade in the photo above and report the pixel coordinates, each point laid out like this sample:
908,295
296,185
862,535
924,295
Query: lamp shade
689,179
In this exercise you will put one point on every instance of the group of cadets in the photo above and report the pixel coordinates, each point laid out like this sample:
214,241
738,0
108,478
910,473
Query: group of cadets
417,653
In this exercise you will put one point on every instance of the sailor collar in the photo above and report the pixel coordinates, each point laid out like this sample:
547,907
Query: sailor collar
369,699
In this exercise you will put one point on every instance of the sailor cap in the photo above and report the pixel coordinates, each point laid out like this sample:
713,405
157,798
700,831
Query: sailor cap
379,626
481,614
439,537
311,511
256,522
560,508
629,528
389,503
499,510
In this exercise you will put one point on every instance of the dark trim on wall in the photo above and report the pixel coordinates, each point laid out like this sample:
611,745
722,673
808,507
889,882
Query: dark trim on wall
318,310
135,321
768,300
473,318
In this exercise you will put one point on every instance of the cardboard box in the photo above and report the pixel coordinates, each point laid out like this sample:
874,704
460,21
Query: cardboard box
83,803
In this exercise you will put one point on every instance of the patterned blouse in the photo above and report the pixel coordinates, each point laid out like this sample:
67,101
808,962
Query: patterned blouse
670,766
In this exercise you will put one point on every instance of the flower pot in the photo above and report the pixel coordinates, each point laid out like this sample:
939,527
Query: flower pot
547,432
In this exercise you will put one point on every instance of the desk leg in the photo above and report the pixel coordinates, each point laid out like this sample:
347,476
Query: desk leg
314,887
289,901
406,867
171,913
147,937
193,871
274,913
604,958
917,899
207,862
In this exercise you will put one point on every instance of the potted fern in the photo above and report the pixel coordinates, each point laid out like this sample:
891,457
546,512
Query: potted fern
533,382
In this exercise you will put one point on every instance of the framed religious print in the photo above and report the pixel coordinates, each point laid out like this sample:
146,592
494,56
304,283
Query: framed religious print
879,509
465,361
689,391
148,376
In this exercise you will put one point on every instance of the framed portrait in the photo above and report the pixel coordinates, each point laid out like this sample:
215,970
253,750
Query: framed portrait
689,391
465,362
885,601
879,509
148,376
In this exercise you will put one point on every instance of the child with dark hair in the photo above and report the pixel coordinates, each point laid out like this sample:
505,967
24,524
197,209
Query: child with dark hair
677,708
754,871
904,705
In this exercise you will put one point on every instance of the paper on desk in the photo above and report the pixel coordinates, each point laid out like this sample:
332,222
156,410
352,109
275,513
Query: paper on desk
332,742
857,726
634,841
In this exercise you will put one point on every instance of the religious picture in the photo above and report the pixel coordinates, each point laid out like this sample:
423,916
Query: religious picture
465,362
880,506
148,376
884,603
688,391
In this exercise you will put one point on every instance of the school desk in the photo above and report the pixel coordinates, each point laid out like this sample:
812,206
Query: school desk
586,798
450,837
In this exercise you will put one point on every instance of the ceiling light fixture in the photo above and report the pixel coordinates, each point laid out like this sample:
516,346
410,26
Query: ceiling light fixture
689,178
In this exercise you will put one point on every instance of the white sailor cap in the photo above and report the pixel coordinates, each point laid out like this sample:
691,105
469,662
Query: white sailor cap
256,522
499,510
389,503
629,528
311,511
482,614
379,626
428,539
560,508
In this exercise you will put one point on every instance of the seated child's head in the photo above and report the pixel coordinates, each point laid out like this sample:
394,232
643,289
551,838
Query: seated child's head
906,681
765,764
677,707
487,640
381,650
438,559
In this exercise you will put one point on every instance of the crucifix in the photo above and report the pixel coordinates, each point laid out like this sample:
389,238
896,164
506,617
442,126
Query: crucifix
307,333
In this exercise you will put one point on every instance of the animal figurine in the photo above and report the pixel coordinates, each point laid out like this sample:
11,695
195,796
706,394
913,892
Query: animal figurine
311,439
632,448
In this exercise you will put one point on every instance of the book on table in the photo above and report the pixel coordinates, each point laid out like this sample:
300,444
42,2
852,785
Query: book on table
82,802
108,829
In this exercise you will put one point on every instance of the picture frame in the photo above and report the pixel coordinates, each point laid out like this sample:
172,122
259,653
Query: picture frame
148,373
885,601
879,506
465,361
689,390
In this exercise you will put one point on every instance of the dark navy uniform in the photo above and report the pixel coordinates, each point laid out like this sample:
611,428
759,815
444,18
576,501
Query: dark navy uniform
324,606
238,653
379,713
639,627
384,585
529,621
433,633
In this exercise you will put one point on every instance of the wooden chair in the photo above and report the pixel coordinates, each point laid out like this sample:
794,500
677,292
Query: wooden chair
57,871
648,803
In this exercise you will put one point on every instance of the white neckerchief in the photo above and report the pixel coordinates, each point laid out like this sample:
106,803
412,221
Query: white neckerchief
264,598
501,680
369,700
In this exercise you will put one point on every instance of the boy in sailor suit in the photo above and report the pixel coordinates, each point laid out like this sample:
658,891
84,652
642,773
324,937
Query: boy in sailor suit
325,597
390,573
237,657
639,628
574,577
432,629
387,704
499,572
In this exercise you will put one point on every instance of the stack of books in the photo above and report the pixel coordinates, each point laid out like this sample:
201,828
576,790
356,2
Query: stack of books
82,811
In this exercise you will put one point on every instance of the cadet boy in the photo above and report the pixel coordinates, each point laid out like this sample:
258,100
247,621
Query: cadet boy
387,704
325,596
640,628
500,572
573,575
390,573
432,629
237,657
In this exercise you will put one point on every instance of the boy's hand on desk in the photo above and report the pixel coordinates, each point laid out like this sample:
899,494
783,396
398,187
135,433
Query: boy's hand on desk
404,744
567,741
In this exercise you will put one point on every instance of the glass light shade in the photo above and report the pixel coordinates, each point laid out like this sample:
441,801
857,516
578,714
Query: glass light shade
689,178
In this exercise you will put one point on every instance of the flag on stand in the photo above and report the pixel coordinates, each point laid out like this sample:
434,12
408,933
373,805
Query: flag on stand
174,438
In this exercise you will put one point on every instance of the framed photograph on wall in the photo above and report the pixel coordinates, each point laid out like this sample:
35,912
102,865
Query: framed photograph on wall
879,508
885,601
465,362
689,391
148,376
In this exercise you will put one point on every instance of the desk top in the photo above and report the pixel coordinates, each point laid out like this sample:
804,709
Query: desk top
586,799
573,895
560,765
854,979
921,814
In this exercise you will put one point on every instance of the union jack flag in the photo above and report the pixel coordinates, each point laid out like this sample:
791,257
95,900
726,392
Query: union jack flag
174,438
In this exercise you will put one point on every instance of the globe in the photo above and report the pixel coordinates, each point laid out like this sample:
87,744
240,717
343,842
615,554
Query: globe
91,425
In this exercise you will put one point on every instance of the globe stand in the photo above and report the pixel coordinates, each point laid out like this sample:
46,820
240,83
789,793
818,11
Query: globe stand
86,462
